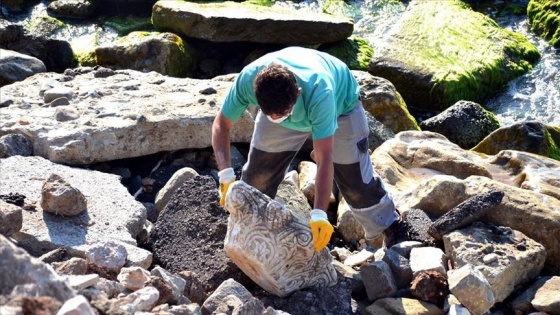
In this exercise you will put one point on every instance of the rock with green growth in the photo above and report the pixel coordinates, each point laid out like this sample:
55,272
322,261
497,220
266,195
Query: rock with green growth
465,123
84,50
382,101
126,24
442,52
165,53
45,25
534,137
544,16
354,51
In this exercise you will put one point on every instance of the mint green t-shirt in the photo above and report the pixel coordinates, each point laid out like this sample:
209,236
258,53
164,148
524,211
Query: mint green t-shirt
328,90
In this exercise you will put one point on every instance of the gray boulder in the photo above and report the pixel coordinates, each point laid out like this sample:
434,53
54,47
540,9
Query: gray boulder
18,269
242,22
465,123
16,67
15,144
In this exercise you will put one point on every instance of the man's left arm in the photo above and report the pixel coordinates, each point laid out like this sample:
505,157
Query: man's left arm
323,156
321,229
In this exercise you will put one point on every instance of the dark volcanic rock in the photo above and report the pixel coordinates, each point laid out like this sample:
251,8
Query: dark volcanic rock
465,213
418,223
189,234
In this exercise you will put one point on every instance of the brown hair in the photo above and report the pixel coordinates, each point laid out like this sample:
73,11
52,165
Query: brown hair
276,89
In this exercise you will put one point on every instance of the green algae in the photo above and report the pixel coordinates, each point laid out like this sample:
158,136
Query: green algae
354,51
182,63
533,137
553,141
46,25
467,54
544,16
126,24
84,50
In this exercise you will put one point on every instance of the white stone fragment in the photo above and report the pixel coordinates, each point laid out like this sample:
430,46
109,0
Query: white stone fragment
427,259
142,300
77,305
360,258
471,288
79,282
175,282
109,255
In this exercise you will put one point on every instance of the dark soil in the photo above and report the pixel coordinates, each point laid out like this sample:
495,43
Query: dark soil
189,234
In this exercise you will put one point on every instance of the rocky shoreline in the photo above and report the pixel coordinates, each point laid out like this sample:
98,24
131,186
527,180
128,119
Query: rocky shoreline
109,202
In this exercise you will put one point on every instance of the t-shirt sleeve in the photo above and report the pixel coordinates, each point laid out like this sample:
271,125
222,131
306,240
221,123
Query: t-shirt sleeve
239,97
323,114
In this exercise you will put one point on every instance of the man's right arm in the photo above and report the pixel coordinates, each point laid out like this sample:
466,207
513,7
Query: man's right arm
221,140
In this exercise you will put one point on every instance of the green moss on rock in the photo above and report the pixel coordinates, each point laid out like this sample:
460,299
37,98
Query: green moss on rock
465,54
266,3
167,53
45,25
533,137
544,16
355,52
84,50
126,24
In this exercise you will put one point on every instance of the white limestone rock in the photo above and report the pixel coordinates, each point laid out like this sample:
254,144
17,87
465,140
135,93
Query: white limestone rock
471,288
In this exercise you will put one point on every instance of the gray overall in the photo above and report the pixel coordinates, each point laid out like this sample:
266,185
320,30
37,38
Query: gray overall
273,147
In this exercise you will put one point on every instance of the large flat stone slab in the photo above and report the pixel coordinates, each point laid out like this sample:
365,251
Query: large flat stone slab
112,213
120,114
241,22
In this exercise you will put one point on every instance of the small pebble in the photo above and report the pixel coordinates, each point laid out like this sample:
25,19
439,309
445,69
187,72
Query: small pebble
490,258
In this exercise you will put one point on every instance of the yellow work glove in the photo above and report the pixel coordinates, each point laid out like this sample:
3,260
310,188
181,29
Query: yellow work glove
227,176
321,229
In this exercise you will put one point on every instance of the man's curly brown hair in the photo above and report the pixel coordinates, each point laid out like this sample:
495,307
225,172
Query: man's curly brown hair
276,89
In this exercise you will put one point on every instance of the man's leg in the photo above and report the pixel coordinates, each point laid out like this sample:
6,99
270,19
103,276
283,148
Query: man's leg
273,148
359,184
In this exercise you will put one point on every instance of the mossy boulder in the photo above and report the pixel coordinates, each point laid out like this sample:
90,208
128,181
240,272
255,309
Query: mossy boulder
84,50
534,137
355,52
544,16
229,21
442,52
44,25
382,101
165,53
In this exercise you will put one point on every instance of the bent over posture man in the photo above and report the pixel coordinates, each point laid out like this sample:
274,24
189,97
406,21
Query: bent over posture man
304,92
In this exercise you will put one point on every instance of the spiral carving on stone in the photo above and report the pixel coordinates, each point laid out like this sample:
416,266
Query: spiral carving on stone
273,246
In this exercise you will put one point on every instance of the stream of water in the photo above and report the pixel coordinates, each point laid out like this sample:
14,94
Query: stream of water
533,96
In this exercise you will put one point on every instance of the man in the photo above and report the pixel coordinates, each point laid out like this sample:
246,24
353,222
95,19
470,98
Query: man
303,92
